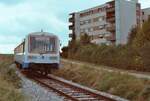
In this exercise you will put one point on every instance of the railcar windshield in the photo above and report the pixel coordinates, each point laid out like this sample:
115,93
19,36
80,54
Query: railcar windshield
42,44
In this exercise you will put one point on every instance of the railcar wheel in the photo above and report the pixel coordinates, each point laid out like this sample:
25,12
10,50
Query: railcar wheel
45,72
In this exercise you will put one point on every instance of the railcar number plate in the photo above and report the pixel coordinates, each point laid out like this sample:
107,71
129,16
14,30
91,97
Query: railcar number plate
42,38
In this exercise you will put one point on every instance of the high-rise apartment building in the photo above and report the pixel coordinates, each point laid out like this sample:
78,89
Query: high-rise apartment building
109,23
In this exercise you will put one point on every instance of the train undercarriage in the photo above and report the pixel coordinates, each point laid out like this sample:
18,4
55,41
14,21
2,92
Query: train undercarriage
44,69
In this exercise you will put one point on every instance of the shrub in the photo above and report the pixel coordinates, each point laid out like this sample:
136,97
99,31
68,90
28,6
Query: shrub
132,35
133,56
64,52
8,92
145,94
9,74
9,81
85,39
145,55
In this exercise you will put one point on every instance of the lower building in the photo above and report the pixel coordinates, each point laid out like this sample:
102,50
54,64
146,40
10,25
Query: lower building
145,14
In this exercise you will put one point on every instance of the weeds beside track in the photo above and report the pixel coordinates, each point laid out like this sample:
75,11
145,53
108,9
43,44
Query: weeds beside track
70,91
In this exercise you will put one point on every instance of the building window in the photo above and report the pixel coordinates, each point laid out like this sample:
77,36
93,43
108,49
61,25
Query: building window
82,22
86,30
102,18
90,29
85,22
143,13
81,30
99,19
95,19
95,28
101,27
89,20
94,11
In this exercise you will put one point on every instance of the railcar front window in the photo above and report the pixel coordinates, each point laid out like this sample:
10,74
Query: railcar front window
42,45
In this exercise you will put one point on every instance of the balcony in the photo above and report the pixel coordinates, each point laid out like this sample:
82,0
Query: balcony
70,35
72,14
71,19
111,28
71,27
111,19
110,14
110,9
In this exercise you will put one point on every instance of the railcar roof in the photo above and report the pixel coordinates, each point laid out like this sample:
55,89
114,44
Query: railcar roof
42,33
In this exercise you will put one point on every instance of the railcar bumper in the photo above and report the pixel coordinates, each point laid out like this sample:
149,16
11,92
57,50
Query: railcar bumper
44,65
25,65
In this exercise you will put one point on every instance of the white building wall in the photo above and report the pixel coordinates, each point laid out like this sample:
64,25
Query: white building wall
77,25
146,14
125,19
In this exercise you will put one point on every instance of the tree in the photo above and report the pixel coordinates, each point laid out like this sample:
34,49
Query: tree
143,35
64,53
145,55
85,39
132,35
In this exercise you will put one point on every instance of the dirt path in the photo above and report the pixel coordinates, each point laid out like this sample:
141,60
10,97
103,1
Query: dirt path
143,75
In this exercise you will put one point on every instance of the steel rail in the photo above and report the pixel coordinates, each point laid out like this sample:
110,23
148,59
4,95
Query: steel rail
67,90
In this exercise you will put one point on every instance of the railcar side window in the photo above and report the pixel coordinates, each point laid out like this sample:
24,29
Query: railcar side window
20,48
40,44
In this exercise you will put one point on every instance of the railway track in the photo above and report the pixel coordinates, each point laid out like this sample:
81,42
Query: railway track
71,91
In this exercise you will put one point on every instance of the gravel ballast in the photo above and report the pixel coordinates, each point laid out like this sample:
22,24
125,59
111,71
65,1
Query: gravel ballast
35,92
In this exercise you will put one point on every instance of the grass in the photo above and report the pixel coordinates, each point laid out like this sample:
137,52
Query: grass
8,92
10,83
115,83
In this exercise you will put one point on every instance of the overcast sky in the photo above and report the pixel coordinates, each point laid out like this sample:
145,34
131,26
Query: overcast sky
20,17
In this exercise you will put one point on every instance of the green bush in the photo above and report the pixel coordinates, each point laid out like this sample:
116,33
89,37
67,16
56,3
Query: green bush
133,56
64,52
123,57
9,74
145,55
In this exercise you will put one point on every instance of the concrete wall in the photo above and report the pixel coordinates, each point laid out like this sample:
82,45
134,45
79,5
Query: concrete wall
77,25
125,19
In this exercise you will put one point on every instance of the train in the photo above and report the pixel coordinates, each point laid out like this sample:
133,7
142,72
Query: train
38,51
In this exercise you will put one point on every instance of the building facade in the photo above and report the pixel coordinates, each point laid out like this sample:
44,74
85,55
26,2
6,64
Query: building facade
145,14
109,23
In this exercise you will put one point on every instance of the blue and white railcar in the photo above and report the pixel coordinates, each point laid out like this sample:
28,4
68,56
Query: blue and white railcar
38,50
